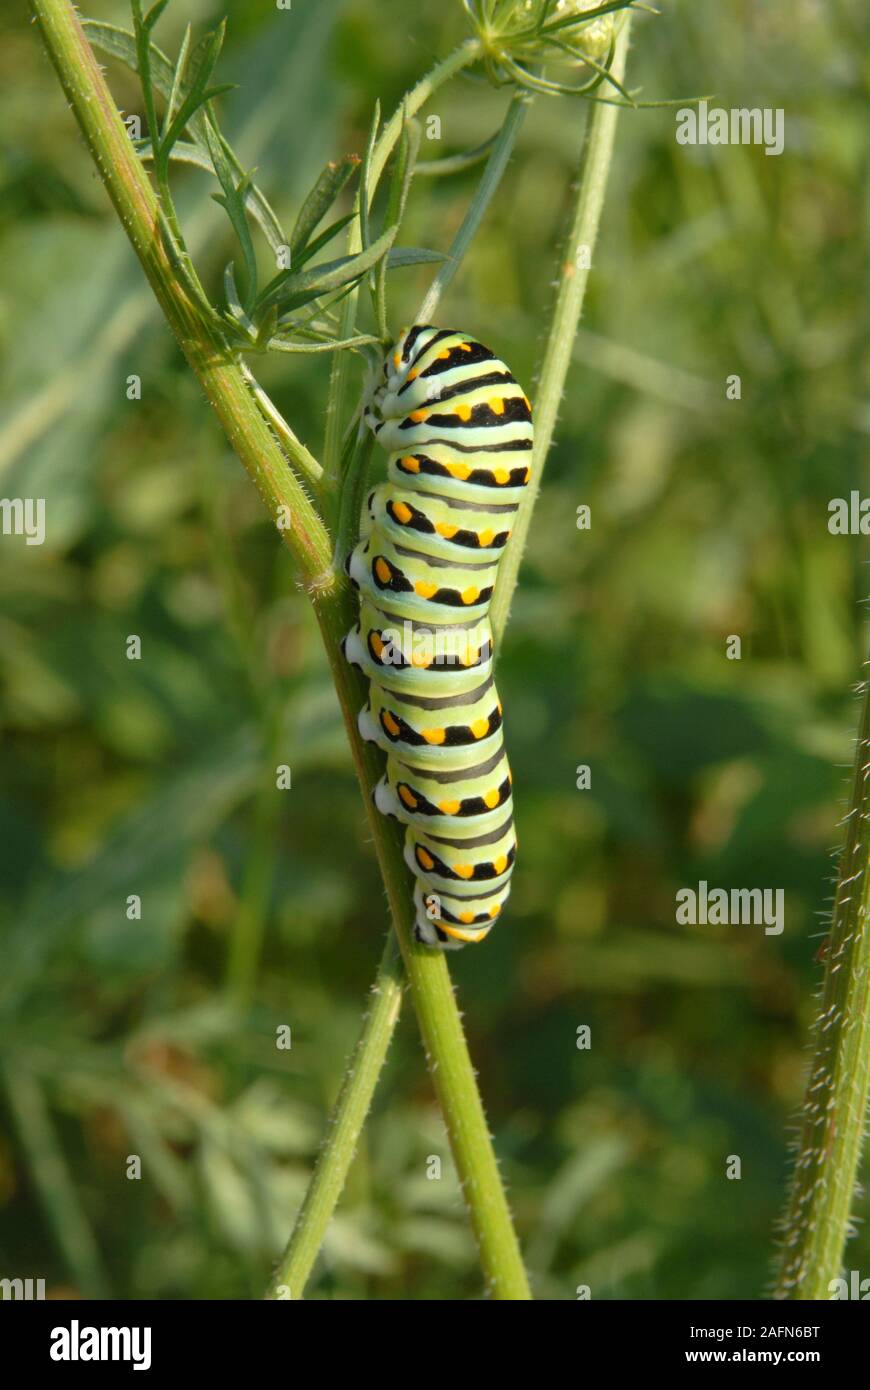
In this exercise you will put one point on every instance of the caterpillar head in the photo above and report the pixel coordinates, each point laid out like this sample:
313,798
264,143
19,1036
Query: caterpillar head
383,403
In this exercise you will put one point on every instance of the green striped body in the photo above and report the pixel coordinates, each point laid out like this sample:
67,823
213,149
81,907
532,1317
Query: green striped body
458,431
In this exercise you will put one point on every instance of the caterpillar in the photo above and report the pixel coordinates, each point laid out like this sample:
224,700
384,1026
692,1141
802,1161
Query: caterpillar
458,431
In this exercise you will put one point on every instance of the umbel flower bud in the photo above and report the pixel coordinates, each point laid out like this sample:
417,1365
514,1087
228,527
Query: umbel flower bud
593,37
546,34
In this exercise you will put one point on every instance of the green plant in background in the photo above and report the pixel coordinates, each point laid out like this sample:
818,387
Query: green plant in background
689,1045
296,312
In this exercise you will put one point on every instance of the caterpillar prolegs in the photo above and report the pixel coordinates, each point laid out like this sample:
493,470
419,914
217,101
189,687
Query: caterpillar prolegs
458,431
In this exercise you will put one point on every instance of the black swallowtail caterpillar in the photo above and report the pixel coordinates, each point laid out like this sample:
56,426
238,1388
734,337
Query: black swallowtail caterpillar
458,430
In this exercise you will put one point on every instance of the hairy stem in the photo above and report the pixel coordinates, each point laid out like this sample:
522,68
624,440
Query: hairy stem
824,1181
306,536
573,277
345,1126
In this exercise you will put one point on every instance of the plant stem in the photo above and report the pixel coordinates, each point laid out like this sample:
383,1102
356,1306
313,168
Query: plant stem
573,277
461,57
432,993
824,1181
345,1126
492,176
306,536
135,202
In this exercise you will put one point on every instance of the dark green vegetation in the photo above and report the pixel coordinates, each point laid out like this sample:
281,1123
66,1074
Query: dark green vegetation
157,777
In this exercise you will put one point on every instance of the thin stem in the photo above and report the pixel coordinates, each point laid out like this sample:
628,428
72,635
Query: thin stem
431,990
345,1126
306,536
574,275
461,57
824,1182
296,451
492,176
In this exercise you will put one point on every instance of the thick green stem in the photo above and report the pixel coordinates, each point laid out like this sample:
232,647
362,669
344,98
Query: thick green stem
136,204
825,1177
345,1126
306,536
573,277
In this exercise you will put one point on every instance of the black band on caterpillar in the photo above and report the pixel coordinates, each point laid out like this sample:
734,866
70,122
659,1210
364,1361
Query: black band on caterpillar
458,430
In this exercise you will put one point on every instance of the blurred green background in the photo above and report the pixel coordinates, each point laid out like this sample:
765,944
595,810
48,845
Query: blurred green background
156,777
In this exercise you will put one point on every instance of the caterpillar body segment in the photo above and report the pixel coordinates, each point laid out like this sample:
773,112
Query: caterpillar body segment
458,431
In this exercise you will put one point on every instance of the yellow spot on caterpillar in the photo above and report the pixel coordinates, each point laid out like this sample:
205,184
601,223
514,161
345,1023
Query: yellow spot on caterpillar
528,402
382,570
501,476
491,799
417,416
377,645
424,662
496,405
397,358
527,475
408,797
433,735
463,870
458,470
448,532
498,706
424,860
471,657
466,917
494,911
389,723
402,513
443,356
464,412
485,538
450,808
413,374
500,864
425,590
470,937
465,347
470,595
480,728
410,464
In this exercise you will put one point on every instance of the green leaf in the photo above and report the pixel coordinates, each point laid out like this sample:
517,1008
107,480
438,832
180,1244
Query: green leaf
120,44
412,255
331,345
329,276
202,64
319,242
318,202
233,202
456,163
154,13
177,80
403,172
363,195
